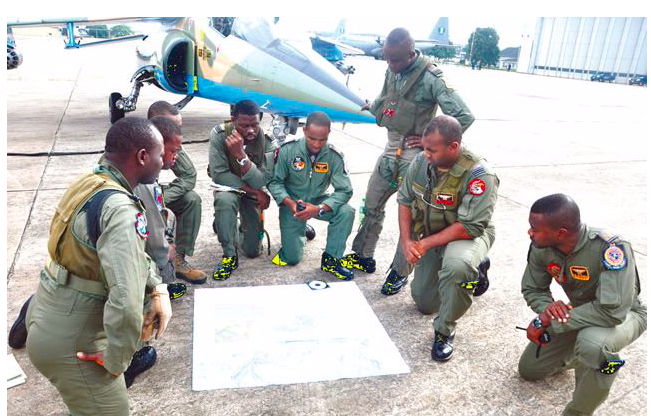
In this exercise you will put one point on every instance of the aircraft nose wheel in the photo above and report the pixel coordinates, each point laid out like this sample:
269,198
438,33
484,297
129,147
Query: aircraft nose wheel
115,112
309,232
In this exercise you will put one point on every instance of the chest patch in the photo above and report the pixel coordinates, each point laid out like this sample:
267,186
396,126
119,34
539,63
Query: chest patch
556,272
477,186
321,167
141,225
580,272
445,199
158,197
298,163
614,258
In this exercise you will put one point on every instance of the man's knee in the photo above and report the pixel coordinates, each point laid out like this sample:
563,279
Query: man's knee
528,371
589,347
459,269
293,257
424,304
224,201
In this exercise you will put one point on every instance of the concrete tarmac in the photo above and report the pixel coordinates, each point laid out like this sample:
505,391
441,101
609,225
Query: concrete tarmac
542,135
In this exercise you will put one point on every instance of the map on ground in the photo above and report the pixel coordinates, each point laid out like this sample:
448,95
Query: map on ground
285,334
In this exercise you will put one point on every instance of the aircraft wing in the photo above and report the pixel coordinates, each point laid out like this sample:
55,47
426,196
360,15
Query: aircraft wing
63,21
346,49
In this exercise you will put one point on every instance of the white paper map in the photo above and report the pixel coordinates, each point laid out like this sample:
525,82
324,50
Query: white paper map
263,335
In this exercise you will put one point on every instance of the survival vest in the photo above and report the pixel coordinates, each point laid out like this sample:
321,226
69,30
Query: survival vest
435,209
398,110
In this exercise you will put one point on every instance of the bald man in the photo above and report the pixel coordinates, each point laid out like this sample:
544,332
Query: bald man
413,90
86,319
605,313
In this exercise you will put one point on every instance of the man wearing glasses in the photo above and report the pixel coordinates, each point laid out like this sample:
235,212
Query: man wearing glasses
446,202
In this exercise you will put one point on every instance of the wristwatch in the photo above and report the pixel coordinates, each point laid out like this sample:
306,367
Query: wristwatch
537,322
243,161
322,210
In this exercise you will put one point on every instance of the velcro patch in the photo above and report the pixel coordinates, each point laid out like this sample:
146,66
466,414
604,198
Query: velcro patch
478,171
298,163
614,258
321,167
556,271
477,186
141,225
580,272
445,199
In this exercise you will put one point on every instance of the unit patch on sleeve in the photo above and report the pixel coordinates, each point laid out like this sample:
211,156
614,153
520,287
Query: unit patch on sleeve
298,163
321,167
141,225
556,271
580,272
477,186
158,197
614,258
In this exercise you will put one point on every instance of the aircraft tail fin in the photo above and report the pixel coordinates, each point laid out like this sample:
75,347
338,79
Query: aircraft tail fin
341,27
440,32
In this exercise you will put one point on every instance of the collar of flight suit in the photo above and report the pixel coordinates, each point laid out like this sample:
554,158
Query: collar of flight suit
107,167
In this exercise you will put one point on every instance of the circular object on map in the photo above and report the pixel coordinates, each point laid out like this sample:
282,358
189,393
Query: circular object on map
317,284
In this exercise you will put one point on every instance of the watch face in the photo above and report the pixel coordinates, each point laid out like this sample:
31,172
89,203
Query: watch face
537,323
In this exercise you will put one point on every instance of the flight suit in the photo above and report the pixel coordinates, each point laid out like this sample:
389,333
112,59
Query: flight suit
228,204
407,103
297,176
185,203
161,223
601,281
467,194
90,298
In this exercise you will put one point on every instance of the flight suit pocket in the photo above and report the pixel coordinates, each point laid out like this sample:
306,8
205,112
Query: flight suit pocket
609,291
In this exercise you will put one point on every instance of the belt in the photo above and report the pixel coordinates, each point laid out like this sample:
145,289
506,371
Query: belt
63,277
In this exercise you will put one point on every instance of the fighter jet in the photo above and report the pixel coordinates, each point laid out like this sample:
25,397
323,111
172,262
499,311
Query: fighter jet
227,59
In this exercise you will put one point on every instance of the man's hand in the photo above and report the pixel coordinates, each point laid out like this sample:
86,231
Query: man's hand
289,203
556,310
98,357
160,310
412,251
263,199
310,211
366,106
171,253
412,142
235,145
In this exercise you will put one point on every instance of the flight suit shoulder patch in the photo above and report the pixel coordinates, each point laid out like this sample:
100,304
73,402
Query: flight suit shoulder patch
614,257
141,225
434,70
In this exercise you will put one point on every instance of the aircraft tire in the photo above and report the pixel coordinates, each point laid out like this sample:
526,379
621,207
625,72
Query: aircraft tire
114,111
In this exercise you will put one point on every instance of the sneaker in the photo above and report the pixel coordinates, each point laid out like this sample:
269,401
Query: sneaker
18,332
394,283
336,267
188,273
443,346
355,261
278,261
142,360
225,268
483,283
176,290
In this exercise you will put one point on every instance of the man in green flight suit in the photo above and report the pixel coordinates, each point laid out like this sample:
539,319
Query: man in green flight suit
446,202
86,319
413,90
304,170
598,274
182,200
240,157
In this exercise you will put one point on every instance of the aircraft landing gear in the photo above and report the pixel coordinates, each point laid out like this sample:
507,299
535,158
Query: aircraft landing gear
115,112
282,126
119,105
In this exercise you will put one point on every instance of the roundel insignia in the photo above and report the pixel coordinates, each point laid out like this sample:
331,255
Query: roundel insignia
158,197
614,258
298,163
477,186
141,225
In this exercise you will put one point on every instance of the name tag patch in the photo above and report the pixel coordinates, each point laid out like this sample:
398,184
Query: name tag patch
445,199
580,272
321,167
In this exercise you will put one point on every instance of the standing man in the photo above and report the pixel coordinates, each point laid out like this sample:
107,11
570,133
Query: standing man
446,202
241,157
86,318
181,198
413,90
304,170
597,271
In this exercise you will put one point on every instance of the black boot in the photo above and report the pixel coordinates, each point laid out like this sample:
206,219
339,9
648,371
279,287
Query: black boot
482,285
442,348
18,332
394,283
142,361
354,260
310,233
335,266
